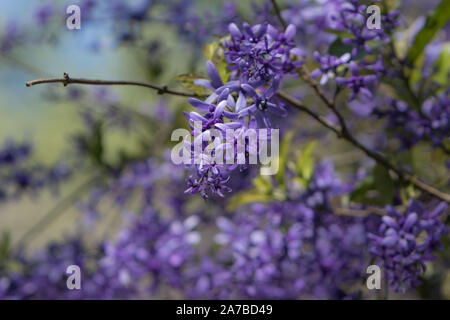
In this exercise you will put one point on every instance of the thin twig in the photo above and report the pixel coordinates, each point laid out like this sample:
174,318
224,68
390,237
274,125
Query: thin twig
359,212
66,80
298,105
278,13
344,133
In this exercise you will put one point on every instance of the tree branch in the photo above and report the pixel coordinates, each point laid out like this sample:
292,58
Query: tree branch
297,104
66,80
344,133
359,212
341,132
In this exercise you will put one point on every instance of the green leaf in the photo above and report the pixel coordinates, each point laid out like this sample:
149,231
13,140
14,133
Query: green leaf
401,91
187,80
263,184
337,48
209,50
282,160
339,33
222,67
305,163
435,21
213,52
383,183
442,64
246,197
361,193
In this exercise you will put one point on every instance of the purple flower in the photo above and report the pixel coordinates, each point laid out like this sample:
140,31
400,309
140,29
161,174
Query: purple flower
9,36
259,53
328,65
43,13
405,242
358,83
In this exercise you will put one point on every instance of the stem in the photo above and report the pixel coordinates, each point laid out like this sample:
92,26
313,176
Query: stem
359,212
297,104
278,13
66,80
341,132
344,133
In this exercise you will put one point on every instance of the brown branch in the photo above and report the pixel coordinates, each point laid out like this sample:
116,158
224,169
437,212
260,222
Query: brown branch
344,133
297,104
341,132
278,13
359,212
66,80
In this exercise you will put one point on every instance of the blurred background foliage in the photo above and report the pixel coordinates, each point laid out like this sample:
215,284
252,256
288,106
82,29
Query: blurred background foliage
45,115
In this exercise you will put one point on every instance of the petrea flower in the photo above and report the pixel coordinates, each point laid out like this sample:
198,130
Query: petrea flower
233,105
325,184
210,179
405,242
19,174
358,83
43,13
262,103
328,65
410,126
260,53
9,36
437,114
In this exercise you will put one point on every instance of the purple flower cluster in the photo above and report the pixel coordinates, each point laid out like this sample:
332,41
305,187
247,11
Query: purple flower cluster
285,240
153,245
282,249
358,42
19,174
43,276
324,186
405,242
260,57
411,126
234,105
259,54
288,251
9,36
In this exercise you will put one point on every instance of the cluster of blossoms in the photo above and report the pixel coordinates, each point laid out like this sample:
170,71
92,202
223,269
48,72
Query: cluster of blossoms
260,57
266,261
351,18
154,247
278,250
19,174
405,242
324,186
411,126
282,249
259,54
169,245
44,275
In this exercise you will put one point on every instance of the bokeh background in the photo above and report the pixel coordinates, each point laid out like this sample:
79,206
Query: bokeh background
166,47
